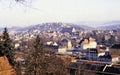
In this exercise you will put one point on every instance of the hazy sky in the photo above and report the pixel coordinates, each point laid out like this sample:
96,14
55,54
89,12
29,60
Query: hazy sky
12,14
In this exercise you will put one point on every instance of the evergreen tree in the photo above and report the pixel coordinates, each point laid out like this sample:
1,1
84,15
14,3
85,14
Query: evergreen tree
1,48
41,64
8,47
39,56
36,58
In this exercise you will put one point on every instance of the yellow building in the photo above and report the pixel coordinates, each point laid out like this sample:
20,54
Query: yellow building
89,43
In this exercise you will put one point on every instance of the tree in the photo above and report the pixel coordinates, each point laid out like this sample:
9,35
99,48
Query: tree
36,58
40,63
55,65
8,47
23,2
1,48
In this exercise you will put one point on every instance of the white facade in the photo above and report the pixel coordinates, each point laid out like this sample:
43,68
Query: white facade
101,54
73,30
115,59
92,44
69,45
62,50
55,44
17,45
49,42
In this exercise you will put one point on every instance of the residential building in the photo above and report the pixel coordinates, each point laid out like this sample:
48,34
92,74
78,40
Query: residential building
88,43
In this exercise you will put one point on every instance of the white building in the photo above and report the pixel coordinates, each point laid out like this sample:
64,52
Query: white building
89,43
69,45
115,58
17,45
62,50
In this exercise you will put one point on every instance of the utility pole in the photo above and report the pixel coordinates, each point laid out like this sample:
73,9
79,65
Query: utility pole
89,53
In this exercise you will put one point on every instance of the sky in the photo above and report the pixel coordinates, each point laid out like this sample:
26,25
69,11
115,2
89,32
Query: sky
70,11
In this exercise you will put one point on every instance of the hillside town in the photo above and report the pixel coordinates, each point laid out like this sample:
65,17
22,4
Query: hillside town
59,37
96,48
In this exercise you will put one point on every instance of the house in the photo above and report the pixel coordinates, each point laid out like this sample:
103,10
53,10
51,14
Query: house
103,48
105,58
52,45
93,54
100,53
109,58
66,43
88,43
55,44
65,46
17,45
49,43
115,58
62,50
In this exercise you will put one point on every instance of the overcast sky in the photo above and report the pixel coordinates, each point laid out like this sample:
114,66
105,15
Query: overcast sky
39,11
